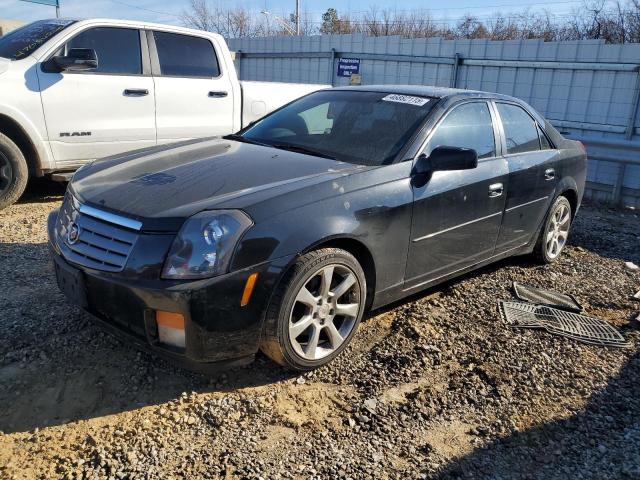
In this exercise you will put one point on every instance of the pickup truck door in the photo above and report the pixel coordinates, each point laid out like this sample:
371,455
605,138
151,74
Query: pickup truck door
457,214
194,95
104,111
532,176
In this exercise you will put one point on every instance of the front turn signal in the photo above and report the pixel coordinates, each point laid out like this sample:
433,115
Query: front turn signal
248,289
171,328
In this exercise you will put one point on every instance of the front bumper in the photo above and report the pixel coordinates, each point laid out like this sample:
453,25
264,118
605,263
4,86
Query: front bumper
218,330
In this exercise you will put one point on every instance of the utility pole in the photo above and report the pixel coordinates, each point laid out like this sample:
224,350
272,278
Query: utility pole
298,17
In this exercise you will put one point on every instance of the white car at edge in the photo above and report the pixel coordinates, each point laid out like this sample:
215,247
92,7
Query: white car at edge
75,90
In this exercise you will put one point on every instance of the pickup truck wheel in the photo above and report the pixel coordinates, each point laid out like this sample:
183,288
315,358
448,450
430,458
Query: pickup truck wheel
555,231
315,310
13,172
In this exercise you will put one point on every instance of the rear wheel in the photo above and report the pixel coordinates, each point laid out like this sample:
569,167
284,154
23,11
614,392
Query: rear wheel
13,172
555,231
316,310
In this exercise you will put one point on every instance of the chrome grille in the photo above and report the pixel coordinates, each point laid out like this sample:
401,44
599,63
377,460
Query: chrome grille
100,245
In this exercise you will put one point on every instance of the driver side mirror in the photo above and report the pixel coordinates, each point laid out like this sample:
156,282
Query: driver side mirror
76,60
446,158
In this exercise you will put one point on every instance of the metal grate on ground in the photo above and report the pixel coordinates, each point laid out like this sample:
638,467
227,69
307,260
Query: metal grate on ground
560,322
547,297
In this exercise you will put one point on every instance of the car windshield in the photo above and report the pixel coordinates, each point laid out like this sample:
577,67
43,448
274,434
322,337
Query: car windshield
22,42
365,128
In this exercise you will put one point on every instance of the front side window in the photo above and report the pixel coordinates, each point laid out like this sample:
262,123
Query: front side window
186,56
22,42
520,130
365,128
117,49
467,126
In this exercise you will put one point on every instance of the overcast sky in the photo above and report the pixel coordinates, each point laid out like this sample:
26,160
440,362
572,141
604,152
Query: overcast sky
165,11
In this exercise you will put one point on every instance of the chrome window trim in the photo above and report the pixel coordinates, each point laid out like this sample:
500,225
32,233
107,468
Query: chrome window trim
111,217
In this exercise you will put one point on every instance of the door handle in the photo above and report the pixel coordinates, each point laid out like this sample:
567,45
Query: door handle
218,94
495,190
136,92
549,174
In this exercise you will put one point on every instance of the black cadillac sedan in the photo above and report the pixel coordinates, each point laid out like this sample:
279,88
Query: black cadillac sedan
280,237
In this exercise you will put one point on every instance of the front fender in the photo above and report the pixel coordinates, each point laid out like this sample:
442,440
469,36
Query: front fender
21,105
377,215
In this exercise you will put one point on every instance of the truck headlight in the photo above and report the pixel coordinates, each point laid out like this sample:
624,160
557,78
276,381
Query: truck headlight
204,245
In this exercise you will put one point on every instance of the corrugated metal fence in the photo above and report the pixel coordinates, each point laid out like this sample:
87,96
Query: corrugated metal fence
588,89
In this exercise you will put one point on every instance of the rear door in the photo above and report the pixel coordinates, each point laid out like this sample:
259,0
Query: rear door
104,111
457,214
532,176
194,96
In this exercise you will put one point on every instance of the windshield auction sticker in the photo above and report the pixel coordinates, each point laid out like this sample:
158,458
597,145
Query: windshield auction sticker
417,101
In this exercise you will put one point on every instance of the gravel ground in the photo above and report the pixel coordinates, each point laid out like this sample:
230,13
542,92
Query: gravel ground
433,387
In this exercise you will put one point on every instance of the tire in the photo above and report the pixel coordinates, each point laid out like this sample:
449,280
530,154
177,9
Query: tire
555,231
304,328
14,172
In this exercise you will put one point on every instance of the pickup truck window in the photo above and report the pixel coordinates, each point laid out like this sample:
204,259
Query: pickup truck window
118,49
22,42
186,56
365,128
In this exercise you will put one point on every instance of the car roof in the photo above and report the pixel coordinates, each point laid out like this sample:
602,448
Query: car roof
453,94
428,91
134,24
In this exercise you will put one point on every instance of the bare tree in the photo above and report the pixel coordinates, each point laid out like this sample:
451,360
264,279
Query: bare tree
229,23
609,20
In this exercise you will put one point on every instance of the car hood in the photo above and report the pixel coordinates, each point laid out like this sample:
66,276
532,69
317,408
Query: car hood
161,186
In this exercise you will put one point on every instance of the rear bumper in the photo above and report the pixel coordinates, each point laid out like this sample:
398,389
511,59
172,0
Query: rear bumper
218,330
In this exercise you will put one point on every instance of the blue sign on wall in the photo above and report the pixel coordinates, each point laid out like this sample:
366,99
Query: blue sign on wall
347,66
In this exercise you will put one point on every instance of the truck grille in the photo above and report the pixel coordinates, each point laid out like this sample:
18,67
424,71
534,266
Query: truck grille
91,242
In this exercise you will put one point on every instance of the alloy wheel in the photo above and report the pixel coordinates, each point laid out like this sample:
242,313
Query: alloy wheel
324,312
558,230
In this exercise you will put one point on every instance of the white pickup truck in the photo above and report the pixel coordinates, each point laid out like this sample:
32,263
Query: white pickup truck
72,91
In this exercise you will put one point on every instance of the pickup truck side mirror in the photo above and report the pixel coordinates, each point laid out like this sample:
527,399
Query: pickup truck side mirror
446,158
76,60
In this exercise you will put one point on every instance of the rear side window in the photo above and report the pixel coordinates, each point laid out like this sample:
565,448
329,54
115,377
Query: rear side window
520,130
186,56
118,49
467,126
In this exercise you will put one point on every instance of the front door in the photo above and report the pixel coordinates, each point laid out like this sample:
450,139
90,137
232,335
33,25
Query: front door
457,214
194,96
532,176
104,111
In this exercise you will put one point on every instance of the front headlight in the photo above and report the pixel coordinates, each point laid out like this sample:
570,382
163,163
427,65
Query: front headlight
204,245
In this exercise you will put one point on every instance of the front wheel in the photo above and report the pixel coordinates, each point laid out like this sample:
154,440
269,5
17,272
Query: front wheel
316,309
13,172
555,231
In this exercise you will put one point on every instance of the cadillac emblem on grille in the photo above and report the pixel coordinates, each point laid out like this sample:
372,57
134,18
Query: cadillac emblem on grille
74,234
